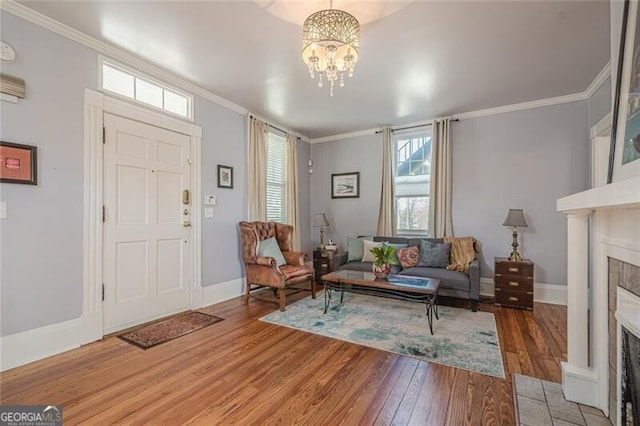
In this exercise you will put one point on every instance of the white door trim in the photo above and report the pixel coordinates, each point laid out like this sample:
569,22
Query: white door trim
95,105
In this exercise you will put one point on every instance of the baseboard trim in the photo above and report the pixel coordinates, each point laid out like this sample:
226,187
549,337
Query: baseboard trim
220,292
32,345
550,293
580,385
542,293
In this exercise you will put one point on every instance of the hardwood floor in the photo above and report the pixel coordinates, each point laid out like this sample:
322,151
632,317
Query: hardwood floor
245,371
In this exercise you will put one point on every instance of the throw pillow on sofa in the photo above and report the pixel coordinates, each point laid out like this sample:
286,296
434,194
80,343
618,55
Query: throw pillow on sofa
355,248
368,245
397,247
409,257
434,255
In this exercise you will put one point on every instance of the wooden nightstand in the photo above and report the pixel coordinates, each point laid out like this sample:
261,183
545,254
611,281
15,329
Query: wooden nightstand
514,283
323,262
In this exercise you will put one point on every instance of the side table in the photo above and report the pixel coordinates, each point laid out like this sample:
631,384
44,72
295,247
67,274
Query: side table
514,283
323,262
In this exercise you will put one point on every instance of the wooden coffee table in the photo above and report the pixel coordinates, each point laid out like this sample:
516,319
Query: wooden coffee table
415,289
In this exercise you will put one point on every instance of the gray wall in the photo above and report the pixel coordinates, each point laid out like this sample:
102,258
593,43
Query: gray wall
224,141
41,240
525,159
350,216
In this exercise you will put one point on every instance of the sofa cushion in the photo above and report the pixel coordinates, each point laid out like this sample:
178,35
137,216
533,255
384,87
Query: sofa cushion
434,255
448,279
409,256
368,245
355,248
270,248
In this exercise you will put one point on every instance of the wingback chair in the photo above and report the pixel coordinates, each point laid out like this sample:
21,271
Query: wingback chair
264,272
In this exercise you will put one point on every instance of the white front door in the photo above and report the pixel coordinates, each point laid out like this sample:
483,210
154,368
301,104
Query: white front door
148,248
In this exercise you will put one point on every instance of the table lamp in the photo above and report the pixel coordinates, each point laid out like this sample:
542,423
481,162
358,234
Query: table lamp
515,218
321,222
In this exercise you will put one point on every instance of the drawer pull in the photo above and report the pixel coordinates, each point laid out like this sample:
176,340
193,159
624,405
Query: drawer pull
513,269
513,299
514,283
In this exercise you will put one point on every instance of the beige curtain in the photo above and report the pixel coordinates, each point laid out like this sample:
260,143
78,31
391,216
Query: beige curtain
440,222
292,189
258,136
387,214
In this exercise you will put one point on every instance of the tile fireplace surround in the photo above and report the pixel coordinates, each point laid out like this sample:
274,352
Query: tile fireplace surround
603,228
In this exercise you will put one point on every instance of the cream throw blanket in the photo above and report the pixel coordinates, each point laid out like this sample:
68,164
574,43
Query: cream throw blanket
463,251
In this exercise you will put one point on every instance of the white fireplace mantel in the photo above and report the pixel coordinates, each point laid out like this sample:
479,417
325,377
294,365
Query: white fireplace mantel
602,222
624,194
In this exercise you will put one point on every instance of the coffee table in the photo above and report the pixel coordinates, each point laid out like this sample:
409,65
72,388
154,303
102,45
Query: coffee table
415,289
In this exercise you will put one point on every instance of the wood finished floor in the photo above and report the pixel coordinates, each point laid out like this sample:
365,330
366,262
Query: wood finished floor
244,371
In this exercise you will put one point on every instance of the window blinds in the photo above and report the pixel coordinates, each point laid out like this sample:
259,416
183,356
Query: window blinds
276,177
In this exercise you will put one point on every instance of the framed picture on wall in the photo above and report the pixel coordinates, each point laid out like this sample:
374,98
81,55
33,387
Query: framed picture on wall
345,185
225,176
624,154
18,163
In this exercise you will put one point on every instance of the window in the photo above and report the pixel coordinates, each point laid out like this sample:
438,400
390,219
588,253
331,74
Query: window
276,177
124,82
412,181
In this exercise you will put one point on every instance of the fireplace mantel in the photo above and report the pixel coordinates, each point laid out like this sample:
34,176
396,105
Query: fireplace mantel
619,195
602,222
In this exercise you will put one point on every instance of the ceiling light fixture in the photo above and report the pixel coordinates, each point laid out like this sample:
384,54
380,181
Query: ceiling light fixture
330,45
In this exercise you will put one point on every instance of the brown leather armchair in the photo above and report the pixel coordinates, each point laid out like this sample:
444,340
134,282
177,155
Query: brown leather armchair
264,272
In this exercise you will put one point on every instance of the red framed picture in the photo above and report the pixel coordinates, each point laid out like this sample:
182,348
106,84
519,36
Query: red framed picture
18,163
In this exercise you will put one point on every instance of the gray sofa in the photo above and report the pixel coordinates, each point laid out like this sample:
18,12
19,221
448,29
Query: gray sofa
452,283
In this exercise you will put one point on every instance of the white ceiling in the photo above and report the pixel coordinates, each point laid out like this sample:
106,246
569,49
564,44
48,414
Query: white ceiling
424,59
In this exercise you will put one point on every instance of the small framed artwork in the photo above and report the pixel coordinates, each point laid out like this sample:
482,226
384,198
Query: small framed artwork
18,163
624,154
225,176
345,185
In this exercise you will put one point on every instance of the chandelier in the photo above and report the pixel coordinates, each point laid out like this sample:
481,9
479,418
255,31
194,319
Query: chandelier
330,45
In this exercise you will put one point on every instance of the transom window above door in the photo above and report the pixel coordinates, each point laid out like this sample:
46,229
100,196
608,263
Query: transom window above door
123,81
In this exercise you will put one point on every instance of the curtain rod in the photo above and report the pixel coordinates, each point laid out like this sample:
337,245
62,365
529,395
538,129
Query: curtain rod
271,125
419,125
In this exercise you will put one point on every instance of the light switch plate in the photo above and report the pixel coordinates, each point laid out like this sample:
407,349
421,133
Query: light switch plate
208,212
209,200
3,209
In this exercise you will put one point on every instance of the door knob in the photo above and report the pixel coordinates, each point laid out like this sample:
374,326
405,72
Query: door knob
186,224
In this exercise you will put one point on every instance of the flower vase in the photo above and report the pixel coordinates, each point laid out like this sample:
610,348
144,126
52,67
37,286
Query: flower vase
382,271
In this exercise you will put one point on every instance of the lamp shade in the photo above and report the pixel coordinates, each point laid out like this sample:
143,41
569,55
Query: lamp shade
515,218
320,220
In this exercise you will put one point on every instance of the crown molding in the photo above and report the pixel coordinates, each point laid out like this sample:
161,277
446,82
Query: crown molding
521,106
115,53
598,81
340,136
602,76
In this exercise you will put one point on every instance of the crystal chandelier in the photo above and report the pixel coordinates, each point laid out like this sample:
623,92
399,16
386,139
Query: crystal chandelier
330,45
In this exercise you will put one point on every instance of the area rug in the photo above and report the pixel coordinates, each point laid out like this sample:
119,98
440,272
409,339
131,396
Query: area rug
462,339
147,336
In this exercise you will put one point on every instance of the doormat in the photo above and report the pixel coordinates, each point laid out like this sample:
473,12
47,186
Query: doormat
147,336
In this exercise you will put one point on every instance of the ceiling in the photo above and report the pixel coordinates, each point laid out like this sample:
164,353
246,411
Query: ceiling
418,60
